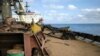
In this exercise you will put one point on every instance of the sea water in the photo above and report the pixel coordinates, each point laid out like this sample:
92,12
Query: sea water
85,28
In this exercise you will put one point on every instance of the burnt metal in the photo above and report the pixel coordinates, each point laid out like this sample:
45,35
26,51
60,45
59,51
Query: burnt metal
29,42
10,25
66,34
39,38
88,36
1,1
8,41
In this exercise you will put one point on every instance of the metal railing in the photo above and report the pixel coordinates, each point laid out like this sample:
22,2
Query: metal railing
40,41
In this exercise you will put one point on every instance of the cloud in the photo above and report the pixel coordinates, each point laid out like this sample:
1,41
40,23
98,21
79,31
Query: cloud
71,7
54,6
53,1
29,1
98,9
88,16
91,9
53,11
57,1
80,15
57,15
92,13
57,18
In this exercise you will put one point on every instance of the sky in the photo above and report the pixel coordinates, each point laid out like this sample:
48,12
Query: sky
66,11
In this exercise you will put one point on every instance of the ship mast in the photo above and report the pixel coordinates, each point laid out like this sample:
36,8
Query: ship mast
27,7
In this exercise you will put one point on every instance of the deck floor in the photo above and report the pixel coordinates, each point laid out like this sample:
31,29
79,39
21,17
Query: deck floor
58,47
